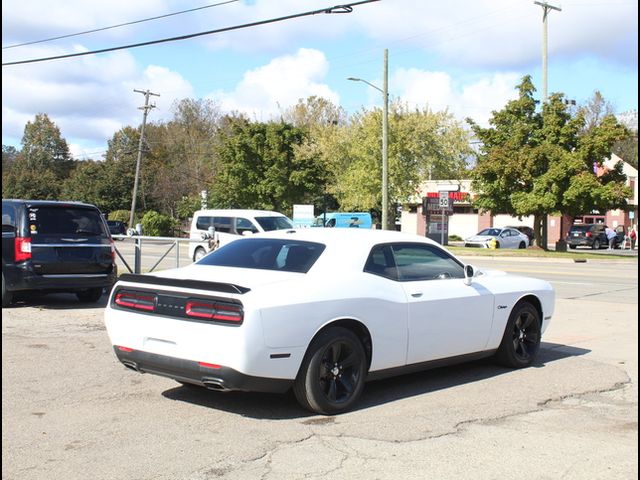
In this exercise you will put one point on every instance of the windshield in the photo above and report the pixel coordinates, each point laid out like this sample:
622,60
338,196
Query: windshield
493,232
274,223
266,254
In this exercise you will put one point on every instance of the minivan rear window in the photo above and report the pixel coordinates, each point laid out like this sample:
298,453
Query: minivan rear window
65,221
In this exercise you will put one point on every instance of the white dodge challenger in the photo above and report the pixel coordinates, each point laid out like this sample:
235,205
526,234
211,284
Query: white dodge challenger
322,311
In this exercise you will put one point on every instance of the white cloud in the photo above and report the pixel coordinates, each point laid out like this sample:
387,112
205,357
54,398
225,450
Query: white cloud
89,98
439,91
265,91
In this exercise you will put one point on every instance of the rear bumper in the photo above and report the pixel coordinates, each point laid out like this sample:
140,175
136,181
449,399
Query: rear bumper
21,277
188,371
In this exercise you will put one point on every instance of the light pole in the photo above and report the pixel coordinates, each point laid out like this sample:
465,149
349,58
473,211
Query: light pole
385,136
545,12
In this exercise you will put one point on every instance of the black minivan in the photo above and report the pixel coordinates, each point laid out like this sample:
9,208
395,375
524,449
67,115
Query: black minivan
51,246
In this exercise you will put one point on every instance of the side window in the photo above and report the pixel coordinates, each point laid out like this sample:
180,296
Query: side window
203,223
245,225
8,218
425,262
380,262
222,224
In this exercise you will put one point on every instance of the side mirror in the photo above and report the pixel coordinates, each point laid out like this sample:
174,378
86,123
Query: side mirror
210,233
469,273
247,233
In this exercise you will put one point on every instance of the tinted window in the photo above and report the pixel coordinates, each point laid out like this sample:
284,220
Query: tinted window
274,223
425,262
245,225
8,218
380,262
222,224
65,221
580,228
266,254
203,223
494,232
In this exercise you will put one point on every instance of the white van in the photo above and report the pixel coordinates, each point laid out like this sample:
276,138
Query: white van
229,225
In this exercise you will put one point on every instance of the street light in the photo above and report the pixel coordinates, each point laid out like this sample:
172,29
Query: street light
385,131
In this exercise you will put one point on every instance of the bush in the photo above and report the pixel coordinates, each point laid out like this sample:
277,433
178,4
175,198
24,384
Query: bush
155,224
455,238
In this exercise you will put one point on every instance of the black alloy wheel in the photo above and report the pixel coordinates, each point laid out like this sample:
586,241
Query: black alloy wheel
596,245
332,374
521,339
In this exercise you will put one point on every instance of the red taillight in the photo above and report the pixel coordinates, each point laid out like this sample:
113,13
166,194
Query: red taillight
136,301
113,250
209,365
588,235
214,311
125,349
22,249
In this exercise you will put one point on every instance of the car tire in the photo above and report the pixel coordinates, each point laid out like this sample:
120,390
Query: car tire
572,247
332,374
596,245
521,339
522,245
91,295
198,254
7,296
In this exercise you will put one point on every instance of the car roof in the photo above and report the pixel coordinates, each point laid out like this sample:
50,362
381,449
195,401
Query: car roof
49,203
347,247
239,213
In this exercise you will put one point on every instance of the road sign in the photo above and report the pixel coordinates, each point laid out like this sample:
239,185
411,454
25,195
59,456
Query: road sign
444,200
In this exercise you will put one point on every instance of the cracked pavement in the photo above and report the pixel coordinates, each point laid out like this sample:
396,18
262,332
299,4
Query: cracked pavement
70,410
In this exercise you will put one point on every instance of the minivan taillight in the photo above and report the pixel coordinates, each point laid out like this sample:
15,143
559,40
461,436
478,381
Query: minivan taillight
22,249
136,301
220,312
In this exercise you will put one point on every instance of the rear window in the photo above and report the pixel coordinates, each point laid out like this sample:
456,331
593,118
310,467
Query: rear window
580,228
266,254
274,223
70,221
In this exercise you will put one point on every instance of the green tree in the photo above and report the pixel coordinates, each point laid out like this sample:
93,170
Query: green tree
157,225
42,164
540,163
257,167
421,145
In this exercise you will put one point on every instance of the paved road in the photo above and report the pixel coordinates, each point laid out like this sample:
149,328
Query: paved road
70,410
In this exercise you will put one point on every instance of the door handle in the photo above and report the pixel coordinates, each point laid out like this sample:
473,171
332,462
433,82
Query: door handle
416,294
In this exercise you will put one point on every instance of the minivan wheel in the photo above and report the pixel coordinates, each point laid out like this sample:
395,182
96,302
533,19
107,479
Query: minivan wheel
7,297
198,254
596,245
91,295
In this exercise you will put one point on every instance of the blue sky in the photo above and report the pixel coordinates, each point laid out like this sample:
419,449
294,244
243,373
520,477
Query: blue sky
463,55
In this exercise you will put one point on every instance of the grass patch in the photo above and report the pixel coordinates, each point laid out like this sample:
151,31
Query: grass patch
538,253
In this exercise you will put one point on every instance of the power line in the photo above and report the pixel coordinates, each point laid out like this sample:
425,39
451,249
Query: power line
118,26
347,8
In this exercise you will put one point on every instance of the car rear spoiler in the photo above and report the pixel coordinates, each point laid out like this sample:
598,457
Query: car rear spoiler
180,282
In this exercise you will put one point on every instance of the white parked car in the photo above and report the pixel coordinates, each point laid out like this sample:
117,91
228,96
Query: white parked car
321,311
498,238
218,227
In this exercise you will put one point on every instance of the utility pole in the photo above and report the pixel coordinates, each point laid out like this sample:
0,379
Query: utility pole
385,144
545,12
145,110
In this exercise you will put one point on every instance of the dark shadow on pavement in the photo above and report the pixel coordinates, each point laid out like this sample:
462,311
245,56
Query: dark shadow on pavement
56,301
285,406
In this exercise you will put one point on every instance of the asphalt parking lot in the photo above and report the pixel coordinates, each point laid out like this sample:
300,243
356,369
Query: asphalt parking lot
70,410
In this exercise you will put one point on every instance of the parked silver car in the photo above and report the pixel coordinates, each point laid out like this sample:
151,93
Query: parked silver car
498,238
